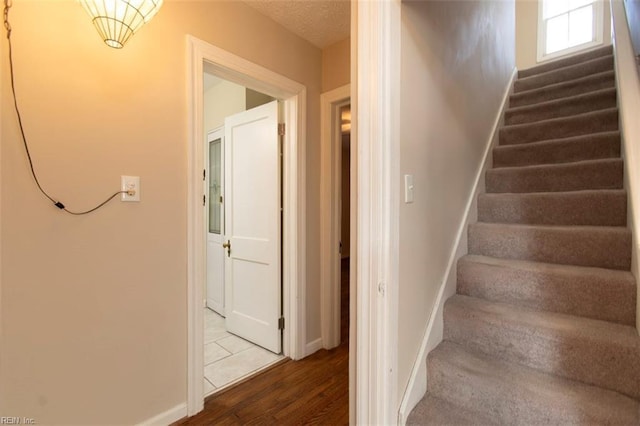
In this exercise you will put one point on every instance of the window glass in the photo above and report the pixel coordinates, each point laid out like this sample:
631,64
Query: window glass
215,178
581,26
554,8
557,33
567,23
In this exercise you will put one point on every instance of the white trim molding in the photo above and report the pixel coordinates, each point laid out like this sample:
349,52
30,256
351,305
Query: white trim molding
598,34
378,121
417,386
241,71
628,88
330,213
168,417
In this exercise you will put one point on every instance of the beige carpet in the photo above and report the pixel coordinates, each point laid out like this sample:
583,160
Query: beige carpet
542,328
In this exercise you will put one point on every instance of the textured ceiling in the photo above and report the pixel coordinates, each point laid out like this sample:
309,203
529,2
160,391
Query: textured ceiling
321,22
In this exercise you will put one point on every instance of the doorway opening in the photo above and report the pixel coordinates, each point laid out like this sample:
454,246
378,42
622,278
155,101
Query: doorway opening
337,217
238,70
242,207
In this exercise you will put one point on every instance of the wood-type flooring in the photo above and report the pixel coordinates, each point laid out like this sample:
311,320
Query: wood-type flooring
312,391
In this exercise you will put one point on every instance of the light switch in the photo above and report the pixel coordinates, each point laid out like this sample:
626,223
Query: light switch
408,189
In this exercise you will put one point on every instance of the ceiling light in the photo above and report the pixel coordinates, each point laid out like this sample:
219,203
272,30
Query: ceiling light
117,20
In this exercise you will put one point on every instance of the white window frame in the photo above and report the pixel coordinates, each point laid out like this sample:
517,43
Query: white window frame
598,11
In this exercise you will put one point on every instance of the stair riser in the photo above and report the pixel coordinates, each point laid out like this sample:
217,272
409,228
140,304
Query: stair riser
584,124
565,62
562,108
594,147
471,392
594,66
471,388
573,208
565,353
587,295
602,248
562,90
607,174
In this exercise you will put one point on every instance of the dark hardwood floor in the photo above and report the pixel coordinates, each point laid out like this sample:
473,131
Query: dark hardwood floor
314,390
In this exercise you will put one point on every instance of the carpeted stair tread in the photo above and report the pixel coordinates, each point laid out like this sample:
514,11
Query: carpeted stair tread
542,329
589,83
577,104
517,395
598,353
597,246
597,293
432,411
567,61
581,175
555,128
570,72
566,150
606,207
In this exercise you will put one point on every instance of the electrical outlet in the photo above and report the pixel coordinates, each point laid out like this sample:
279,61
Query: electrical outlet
131,184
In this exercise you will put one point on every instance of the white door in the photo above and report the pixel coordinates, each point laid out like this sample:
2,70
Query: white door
252,226
214,179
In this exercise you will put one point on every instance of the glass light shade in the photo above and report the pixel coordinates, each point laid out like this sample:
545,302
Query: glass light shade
117,20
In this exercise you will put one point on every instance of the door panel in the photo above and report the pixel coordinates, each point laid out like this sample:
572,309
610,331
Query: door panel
252,214
214,181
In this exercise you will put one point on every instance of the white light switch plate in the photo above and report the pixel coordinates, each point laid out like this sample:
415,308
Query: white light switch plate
408,189
130,183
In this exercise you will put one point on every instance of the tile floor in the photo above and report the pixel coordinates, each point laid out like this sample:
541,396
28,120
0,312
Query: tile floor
228,358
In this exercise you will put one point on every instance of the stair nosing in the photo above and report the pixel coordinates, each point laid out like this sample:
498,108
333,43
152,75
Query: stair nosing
554,102
604,50
558,165
551,120
576,65
535,265
597,228
545,320
525,93
618,191
545,142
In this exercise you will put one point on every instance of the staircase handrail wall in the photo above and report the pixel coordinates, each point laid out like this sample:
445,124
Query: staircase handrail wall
628,87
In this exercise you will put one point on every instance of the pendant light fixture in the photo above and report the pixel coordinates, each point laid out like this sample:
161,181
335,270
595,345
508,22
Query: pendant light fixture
117,20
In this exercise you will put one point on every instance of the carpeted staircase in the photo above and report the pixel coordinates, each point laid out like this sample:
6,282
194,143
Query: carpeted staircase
542,328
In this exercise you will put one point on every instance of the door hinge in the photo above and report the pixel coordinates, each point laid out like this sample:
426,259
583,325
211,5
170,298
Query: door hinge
221,199
281,323
281,129
204,200
204,174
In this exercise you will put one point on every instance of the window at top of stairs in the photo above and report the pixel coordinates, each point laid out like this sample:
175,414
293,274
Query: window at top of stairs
566,26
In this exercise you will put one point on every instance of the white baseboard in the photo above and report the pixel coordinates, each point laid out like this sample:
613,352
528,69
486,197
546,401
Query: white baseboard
313,346
417,386
172,415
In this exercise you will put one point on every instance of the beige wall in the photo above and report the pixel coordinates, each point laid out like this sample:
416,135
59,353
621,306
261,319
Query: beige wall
336,65
345,218
94,308
457,59
255,99
527,31
220,101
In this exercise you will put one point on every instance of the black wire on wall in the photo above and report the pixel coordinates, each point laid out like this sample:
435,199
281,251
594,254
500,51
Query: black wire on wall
58,204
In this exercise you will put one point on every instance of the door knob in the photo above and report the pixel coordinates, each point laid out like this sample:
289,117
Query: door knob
227,245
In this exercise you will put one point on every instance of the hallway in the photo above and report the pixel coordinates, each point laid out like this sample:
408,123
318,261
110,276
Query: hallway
314,390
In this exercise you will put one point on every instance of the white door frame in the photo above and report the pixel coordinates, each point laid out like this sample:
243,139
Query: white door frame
330,212
241,71
378,125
